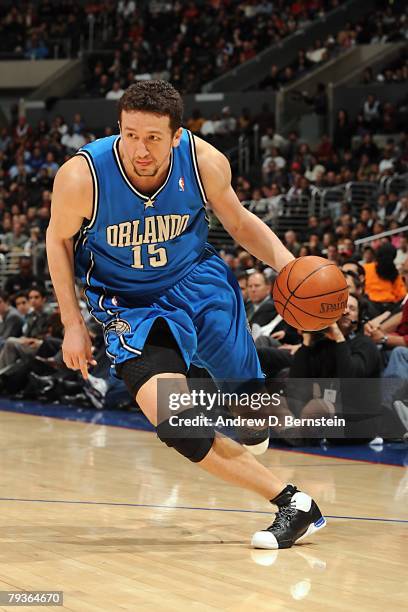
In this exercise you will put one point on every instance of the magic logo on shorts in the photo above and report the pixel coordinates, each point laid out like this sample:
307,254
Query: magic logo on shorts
118,327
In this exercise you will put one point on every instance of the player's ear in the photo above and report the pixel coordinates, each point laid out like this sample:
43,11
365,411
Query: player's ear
177,137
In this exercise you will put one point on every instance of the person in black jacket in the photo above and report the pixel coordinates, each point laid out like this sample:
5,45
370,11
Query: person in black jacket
24,280
260,309
340,353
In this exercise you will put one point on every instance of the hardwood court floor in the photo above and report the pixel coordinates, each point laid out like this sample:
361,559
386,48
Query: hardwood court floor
119,522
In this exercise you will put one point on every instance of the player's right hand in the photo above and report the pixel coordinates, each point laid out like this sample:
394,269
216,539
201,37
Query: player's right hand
77,348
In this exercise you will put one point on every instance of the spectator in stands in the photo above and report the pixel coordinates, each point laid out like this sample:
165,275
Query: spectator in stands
402,254
36,49
391,331
368,148
72,140
116,92
318,100
367,76
15,239
227,123
265,118
368,254
291,242
342,352
245,121
22,304
383,284
104,85
50,165
260,308
20,170
371,111
24,279
11,321
34,330
271,140
324,149
242,279
195,123
400,213
272,81
208,127
22,131
343,131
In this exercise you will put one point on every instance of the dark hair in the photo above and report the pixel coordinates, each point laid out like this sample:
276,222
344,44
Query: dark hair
158,97
4,296
355,278
39,288
362,309
385,267
20,294
242,275
360,268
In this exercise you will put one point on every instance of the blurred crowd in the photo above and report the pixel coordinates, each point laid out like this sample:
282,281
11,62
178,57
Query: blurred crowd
162,39
40,30
387,24
395,72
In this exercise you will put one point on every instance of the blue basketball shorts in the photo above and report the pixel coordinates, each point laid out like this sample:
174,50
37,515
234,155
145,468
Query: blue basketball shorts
205,313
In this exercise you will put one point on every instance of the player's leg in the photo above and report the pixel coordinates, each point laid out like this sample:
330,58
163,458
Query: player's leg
214,453
217,454
232,355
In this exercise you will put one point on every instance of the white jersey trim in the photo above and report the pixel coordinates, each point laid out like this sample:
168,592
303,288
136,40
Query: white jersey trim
195,166
94,176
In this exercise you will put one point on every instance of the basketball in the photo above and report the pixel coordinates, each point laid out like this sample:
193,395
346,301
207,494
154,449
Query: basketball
310,293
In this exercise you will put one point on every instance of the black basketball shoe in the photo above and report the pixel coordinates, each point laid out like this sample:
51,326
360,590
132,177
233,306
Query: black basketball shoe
298,517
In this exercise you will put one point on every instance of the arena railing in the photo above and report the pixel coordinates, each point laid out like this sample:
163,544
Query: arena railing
393,232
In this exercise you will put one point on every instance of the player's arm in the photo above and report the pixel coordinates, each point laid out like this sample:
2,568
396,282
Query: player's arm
72,199
247,229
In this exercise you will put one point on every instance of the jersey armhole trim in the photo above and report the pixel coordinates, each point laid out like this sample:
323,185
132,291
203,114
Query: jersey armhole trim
196,168
95,202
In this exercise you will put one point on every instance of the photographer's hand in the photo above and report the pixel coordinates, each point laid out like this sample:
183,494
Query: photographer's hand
307,338
333,332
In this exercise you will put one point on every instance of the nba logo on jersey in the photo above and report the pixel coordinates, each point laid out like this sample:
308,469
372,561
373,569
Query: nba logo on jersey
181,183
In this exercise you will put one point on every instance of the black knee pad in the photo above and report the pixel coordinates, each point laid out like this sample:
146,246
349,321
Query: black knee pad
192,441
160,354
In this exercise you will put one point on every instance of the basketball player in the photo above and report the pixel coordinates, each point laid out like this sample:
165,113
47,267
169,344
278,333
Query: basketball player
164,297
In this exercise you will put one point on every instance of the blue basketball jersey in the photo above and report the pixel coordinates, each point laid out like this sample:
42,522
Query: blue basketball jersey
137,244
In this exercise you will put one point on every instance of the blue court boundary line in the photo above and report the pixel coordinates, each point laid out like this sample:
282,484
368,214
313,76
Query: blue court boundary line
164,507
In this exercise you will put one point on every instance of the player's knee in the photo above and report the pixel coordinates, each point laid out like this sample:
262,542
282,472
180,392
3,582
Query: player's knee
137,371
192,441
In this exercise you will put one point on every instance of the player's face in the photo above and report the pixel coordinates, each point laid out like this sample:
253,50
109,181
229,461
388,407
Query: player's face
147,140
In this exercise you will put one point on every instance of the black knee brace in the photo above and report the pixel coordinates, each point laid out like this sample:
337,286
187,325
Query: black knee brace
160,354
192,441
